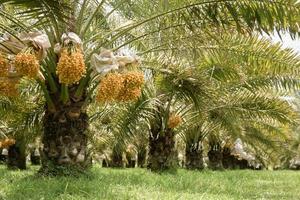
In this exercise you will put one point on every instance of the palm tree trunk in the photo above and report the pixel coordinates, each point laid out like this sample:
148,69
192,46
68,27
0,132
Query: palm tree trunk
194,156
117,160
131,156
142,154
232,162
16,156
215,157
228,160
131,161
105,163
162,153
34,157
65,139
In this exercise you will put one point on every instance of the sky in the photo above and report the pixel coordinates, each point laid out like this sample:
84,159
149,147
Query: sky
287,42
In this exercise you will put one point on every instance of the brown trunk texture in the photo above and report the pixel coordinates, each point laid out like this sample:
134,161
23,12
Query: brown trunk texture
194,157
162,153
215,157
142,154
65,140
130,161
116,160
105,163
231,162
16,157
228,160
35,159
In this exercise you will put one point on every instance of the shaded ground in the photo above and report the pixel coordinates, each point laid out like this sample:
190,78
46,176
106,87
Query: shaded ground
105,183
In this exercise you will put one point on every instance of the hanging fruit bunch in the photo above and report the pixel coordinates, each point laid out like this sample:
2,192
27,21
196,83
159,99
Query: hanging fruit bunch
27,64
24,61
120,87
6,143
9,87
71,67
3,66
110,87
132,86
119,83
174,121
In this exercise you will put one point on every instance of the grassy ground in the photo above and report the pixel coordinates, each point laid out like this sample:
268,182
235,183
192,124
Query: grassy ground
141,184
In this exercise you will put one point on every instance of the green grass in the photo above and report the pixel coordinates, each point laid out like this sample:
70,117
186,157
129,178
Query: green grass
114,184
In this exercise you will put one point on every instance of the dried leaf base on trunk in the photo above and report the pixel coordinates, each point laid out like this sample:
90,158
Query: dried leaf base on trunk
16,157
65,143
162,152
228,161
194,157
215,157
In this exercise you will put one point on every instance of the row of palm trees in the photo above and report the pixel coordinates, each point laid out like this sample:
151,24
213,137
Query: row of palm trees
208,73
216,101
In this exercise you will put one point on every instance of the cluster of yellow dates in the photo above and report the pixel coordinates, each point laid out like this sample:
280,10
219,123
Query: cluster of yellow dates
8,85
70,68
120,87
26,64
174,121
3,67
6,143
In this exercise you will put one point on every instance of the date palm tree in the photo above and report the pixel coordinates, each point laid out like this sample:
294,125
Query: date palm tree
247,98
69,75
21,116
